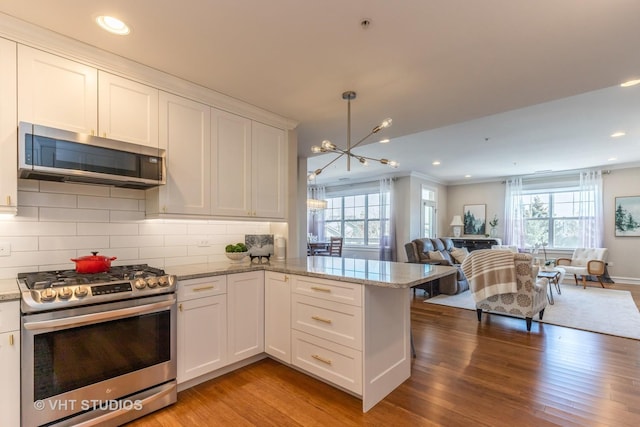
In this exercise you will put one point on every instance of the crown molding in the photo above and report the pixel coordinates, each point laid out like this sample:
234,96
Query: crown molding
40,38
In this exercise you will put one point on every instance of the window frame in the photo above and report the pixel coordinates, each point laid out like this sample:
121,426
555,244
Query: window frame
366,220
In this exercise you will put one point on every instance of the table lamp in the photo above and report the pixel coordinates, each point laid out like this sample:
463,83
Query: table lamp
457,225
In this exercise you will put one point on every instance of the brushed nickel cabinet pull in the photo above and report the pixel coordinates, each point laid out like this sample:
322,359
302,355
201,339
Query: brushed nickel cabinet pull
321,319
321,359
319,289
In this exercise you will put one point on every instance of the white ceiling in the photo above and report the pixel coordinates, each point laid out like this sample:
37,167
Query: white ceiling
491,89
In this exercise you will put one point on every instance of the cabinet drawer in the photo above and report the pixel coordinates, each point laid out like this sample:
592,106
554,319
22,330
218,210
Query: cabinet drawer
331,290
203,287
9,316
341,323
332,362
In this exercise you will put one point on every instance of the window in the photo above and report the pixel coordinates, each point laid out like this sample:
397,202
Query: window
553,217
428,213
356,218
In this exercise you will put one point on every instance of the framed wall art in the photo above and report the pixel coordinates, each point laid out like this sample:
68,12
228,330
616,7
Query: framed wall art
627,216
475,219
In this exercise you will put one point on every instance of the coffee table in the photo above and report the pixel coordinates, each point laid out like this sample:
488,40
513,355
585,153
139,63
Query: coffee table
554,279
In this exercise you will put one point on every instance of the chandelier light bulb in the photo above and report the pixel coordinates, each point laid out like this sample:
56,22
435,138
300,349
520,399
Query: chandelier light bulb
386,123
363,161
393,164
316,149
328,145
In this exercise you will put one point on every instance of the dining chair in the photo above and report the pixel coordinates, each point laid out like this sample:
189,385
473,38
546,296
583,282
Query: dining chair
335,246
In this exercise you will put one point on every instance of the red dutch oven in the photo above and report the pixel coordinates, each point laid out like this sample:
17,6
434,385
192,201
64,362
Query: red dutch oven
93,263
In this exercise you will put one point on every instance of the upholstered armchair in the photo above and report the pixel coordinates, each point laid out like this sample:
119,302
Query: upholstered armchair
584,262
505,282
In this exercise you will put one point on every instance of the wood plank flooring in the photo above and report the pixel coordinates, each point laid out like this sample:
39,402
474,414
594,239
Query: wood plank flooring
466,373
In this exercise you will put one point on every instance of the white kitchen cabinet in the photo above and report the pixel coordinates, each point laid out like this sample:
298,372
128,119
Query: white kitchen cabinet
128,110
202,326
185,132
277,315
10,363
248,167
245,299
8,128
57,92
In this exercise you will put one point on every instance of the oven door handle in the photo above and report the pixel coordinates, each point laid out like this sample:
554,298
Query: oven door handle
99,317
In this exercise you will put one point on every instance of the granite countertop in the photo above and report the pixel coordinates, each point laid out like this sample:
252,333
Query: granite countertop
366,272
9,290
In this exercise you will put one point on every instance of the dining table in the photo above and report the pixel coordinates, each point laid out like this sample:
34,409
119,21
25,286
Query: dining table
317,248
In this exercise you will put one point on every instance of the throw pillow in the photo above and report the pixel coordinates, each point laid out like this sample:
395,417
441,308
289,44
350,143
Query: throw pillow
435,255
459,254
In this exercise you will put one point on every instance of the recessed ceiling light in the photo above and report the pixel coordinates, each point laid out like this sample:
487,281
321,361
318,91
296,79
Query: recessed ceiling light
435,163
113,25
467,176
611,159
617,134
630,83
384,141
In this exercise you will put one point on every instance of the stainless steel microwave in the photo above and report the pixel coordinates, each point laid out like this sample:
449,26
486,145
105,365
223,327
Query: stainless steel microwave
51,154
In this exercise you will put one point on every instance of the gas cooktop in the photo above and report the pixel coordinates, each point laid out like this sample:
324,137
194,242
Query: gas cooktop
50,290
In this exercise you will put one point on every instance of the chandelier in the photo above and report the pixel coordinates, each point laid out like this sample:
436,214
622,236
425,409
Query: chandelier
329,147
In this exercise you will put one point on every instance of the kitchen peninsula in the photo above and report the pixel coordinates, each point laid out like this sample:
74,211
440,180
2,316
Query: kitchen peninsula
344,321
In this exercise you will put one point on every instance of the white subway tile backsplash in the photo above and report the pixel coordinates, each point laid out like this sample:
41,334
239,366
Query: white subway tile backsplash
53,200
88,243
73,215
60,221
126,216
136,241
107,229
111,203
18,228
72,188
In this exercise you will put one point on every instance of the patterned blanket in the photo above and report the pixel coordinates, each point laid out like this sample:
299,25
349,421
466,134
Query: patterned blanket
490,272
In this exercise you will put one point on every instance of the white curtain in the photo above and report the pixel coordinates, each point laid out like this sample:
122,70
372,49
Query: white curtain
387,222
590,209
315,218
513,213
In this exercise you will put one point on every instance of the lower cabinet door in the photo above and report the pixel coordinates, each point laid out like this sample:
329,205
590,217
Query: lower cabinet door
202,336
245,305
10,374
332,362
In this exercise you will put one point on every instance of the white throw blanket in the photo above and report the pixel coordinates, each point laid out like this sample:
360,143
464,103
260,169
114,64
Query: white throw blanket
490,272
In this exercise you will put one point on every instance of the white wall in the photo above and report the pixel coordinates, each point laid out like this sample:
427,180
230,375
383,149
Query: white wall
60,221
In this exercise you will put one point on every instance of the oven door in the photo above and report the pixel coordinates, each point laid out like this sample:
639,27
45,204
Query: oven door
95,359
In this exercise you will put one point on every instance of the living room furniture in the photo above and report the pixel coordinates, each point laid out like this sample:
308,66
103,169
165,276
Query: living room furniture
488,272
434,251
510,248
554,280
335,246
475,243
583,262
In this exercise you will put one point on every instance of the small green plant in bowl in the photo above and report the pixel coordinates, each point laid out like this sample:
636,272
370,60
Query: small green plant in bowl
237,252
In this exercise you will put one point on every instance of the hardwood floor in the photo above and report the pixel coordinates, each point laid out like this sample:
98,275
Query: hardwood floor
466,373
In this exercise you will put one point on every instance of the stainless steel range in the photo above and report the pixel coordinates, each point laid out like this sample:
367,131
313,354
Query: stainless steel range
97,349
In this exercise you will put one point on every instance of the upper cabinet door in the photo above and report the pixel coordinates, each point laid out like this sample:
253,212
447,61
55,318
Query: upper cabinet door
269,167
230,164
128,111
8,128
185,133
56,92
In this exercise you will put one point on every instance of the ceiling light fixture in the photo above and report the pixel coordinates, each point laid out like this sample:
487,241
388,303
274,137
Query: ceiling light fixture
113,25
328,146
435,163
630,83
617,134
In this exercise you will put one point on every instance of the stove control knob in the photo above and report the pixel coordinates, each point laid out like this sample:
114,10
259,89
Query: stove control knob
152,282
65,293
48,294
163,281
81,291
140,283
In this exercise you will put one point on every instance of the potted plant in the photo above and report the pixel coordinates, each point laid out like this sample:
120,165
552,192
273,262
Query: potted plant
493,224
237,252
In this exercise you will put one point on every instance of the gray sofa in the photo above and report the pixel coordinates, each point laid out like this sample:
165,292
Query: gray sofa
418,251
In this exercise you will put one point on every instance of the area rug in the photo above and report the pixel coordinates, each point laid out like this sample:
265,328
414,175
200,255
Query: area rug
605,311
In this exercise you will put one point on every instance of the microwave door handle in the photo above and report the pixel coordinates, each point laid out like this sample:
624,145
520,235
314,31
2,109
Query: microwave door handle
99,317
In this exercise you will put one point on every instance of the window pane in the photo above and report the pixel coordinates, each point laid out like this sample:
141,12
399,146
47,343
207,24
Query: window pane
332,229
565,233
354,232
373,233
536,206
536,231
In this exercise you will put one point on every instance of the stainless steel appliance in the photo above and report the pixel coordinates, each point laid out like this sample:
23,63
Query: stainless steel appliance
47,153
97,349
